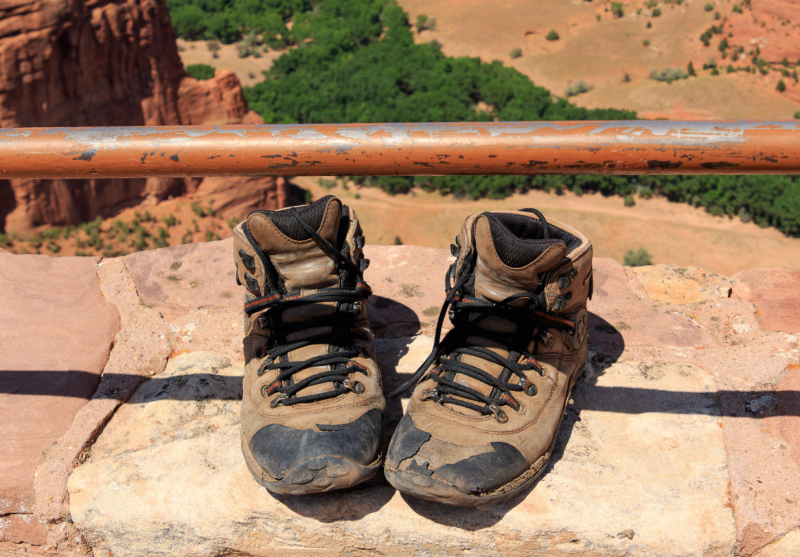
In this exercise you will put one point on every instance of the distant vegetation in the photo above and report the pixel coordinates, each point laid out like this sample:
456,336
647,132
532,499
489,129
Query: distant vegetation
200,71
356,61
668,74
577,88
638,258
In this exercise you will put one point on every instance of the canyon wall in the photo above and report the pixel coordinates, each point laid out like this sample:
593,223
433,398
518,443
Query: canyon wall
100,63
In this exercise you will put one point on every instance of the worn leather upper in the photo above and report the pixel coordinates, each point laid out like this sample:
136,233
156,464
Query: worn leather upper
445,438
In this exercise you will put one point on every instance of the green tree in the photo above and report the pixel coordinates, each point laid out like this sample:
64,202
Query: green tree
552,35
200,71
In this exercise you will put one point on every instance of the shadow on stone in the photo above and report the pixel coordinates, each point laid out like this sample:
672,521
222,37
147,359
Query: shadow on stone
344,505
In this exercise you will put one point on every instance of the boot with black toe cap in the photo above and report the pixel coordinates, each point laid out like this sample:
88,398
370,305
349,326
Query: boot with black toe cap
312,404
488,401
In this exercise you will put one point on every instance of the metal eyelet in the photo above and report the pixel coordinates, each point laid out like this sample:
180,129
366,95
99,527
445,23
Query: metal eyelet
547,339
428,394
354,386
528,387
565,280
499,415
562,301
278,400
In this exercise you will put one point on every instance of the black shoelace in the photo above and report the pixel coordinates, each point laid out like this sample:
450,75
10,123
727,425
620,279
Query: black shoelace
531,320
341,337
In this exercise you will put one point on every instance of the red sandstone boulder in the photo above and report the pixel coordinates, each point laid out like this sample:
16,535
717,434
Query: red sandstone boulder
102,63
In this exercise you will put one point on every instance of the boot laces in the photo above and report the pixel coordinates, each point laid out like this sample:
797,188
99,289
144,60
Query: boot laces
527,310
341,337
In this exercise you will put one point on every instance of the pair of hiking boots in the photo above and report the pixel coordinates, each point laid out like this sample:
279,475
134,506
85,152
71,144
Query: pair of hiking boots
487,402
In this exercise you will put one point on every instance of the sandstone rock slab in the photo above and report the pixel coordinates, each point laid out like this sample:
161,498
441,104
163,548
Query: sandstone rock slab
670,284
776,295
408,288
643,444
180,278
56,332
618,316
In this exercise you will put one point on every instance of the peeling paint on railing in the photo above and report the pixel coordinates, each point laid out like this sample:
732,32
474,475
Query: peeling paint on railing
615,147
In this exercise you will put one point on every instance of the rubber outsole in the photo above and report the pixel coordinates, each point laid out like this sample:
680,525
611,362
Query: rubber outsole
314,475
432,489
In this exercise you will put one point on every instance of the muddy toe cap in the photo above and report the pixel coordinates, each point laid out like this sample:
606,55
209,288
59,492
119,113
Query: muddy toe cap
278,448
477,472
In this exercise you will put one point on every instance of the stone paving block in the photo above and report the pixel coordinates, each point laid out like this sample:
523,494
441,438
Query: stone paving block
776,295
56,332
673,285
646,449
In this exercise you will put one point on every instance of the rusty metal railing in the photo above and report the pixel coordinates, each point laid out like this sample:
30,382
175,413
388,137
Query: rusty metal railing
616,147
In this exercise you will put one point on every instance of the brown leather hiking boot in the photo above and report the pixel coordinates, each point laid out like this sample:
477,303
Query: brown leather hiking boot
482,422
313,405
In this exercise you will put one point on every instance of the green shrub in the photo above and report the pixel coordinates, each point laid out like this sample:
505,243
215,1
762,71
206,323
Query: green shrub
200,71
198,209
638,258
781,87
691,71
616,9
737,9
211,236
5,240
629,201
578,88
170,221
708,7
516,53
656,13
187,237
424,22
649,24
232,223
646,42
797,115
398,241
730,69
552,35
668,74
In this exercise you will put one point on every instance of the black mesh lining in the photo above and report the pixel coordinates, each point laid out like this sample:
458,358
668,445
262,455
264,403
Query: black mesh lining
519,239
312,214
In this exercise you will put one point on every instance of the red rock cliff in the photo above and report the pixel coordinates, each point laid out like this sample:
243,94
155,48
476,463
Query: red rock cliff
103,62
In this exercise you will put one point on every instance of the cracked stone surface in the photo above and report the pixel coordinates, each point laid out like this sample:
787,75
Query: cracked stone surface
681,440
169,463
56,332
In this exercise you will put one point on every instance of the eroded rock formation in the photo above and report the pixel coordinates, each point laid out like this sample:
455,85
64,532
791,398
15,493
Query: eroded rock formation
93,63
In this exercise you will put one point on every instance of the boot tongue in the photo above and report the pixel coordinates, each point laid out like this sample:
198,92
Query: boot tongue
512,254
297,258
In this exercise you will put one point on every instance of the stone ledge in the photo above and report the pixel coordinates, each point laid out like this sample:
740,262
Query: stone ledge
696,355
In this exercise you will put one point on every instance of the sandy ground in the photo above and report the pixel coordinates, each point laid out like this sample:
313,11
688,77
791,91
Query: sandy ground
672,232
248,69
602,52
